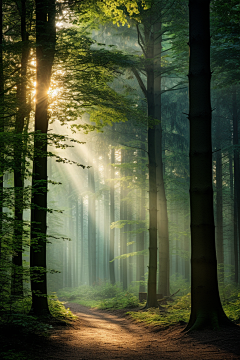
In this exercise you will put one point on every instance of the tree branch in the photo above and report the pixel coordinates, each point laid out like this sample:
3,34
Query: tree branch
140,82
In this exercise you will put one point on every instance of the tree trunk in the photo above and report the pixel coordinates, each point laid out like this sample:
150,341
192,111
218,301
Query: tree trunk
162,216
45,41
152,269
140,243
91,228
82,242
219,209
112,218
22,113
130,236
186,245
206,308
122,201
236,186
106,222
125,248
1,130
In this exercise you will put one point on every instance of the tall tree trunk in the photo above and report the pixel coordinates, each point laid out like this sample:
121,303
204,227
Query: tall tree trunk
130,238
82,242
106,222
122,196
112,218
152,269
140,242
125,249
206,308
22,113
162,216
219,205
45,48
91,228
236,186
70,249
77,276
1,129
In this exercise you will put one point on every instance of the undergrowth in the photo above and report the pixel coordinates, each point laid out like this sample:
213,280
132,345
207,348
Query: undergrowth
106,296
178,311
109,296
16,323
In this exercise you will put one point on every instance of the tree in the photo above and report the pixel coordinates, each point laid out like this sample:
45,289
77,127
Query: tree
206,308
45,49
19,156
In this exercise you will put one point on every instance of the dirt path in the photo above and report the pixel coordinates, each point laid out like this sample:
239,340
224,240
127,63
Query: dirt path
102,335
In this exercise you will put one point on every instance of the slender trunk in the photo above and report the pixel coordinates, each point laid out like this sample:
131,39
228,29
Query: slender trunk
177,242
77,243
91,228
45,41
219,209
142,216
206,308
70,243
130,239
81,277
106,223
122,213
140,242
1,128
152,269
162,217
112,219
125,249
236,186
22,113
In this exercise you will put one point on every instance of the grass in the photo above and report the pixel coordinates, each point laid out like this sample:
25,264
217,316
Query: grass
179,311
113,297
101,297
173,313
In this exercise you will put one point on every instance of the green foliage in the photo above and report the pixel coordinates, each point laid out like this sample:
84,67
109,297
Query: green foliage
178,311
232,309
106,296
178,282
171,314
58,310
13,355
16,313
121,301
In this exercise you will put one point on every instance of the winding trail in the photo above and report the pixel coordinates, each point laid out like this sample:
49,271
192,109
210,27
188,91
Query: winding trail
103,335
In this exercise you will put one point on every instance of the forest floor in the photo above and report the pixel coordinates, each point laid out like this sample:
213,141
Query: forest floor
101,334
106,335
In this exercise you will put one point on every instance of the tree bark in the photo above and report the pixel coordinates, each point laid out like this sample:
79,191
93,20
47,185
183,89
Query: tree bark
91,228
236,186
22,113
142,215
1,129
106,222
162,216
206,308
219,208
45,48
112,218
152,268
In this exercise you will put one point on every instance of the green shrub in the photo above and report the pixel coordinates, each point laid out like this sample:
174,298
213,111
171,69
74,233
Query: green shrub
106,296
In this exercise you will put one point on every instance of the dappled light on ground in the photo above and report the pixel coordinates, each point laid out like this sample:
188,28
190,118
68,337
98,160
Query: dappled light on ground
103,335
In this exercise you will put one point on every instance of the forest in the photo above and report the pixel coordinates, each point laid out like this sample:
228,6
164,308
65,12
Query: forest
119,173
